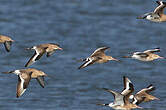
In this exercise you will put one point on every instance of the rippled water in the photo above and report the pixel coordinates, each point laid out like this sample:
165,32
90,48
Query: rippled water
80,26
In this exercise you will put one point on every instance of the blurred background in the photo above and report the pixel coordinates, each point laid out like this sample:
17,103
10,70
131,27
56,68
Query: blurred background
80,26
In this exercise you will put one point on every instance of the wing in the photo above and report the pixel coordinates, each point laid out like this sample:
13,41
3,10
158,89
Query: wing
138,101
158,2
118,98
32,59
36,56
141,54
160,9
23,82
127,86
20,88
40,80
152,50
150,88
50,53
40,54
89,61
99,51
146,90
127,94
7,45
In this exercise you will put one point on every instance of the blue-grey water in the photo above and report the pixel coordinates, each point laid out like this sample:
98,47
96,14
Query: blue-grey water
80,26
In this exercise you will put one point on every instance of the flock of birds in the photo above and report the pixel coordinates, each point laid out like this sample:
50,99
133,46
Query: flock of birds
124,100
121,100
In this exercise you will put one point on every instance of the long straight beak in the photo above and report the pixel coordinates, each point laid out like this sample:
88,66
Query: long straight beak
141,17
115,59
126,57
8,72
157,98
101,104
162,57
60,48
28,49
13,40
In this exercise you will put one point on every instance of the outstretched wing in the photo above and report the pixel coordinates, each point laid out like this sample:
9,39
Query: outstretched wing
89,61
147,89
141,54
128,86
50,53
7,45
40,80
160,9
118,98
99,51
23,82
152,50
36,56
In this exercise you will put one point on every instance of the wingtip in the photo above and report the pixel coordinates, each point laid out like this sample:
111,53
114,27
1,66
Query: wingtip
149,85
79,68
164,3
124,77
40,80
127,79
17,95
26,65
82,66
107,47
7,50
7,45
160,2
106,89
157,48
29,63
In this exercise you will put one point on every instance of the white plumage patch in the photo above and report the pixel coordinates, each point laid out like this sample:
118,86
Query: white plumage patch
17,72
22,86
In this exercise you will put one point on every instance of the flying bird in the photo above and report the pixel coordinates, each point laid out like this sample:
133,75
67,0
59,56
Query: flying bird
36,74
147,55
48,48
143,95
7,41
121,100
157,15
98,56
